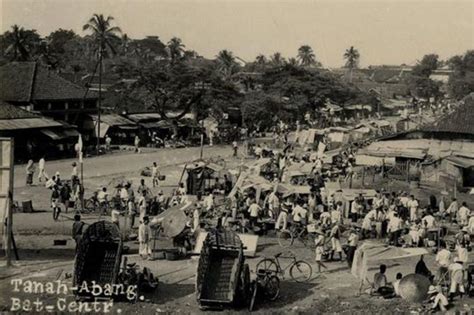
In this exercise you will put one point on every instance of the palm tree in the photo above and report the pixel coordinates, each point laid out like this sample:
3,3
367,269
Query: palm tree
103,33
20,43
352,57
306,56
277,59
176,49
226,63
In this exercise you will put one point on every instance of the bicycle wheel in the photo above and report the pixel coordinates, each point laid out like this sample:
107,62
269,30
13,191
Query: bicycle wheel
285,238
272,288
267,265
301,271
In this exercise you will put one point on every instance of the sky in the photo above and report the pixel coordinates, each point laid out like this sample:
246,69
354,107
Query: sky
384,31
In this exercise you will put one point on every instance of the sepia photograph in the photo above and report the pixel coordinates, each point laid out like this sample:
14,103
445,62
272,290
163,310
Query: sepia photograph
237,156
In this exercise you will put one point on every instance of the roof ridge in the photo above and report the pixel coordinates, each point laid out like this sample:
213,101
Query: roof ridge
33,76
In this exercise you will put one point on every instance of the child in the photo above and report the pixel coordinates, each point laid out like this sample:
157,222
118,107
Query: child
154,174
319,242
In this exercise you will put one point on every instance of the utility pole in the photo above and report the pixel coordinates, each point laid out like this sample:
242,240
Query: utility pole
100,99
9,232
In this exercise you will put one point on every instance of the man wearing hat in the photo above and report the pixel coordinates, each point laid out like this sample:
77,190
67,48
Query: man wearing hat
457,276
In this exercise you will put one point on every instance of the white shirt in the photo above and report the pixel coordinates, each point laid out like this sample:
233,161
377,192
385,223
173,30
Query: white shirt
124,193
394,224
41,164
443,257
464,212
74,171
429,220
209,202
299,213
102,196
463,254
412,204
254,209
355,207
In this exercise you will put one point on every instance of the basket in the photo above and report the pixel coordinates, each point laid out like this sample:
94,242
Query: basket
162,177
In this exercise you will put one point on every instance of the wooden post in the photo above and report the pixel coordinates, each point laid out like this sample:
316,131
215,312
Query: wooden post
408,171
363,176
9,230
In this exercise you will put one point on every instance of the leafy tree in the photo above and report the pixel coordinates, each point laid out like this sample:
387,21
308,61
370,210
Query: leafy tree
426,66
419,81
104,34
306,56
58,39
261,60
277,60
352,57
20,44
461,81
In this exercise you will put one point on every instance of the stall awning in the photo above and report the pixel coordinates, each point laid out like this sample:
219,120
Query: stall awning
461,161
54,135
163,124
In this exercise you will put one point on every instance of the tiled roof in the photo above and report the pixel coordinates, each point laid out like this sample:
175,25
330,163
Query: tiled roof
29,81
113,120
14,118
459,121
8,111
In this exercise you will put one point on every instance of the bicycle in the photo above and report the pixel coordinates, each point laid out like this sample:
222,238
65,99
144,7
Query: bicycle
300,270
266,286
286,238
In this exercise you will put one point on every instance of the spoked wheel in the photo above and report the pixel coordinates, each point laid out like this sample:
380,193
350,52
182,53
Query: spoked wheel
301,271
254,295
285,238
268,266
272,288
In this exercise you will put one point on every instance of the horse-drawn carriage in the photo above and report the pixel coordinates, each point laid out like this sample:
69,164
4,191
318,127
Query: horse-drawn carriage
223,277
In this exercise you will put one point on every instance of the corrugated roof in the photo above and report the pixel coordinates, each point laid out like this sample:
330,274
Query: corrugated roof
29,81
459,121
27,123
143,116
113,120
8,111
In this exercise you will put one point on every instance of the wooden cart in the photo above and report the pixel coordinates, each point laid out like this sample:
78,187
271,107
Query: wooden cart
223,278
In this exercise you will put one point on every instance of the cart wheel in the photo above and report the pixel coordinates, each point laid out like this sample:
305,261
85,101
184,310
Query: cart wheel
272,288
285,238
254,296
267,265
245,282
301,271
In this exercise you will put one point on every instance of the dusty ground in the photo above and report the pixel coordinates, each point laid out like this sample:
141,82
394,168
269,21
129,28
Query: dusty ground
334,291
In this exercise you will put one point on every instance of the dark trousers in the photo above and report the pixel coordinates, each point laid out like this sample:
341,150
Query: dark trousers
350,255
354,217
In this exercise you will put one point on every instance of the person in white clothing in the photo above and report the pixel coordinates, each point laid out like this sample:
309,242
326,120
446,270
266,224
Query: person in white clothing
413,206
457,278
144,238
443,258
41,172
463,214
282,220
